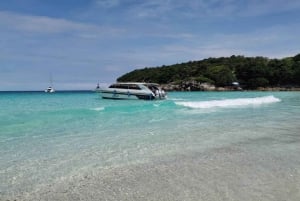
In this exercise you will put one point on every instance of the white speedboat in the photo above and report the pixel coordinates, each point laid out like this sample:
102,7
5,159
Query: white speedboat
133,90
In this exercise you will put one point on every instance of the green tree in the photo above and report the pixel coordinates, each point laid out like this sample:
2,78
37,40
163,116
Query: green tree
221,75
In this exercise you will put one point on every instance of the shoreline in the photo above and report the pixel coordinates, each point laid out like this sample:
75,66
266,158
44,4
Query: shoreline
178,88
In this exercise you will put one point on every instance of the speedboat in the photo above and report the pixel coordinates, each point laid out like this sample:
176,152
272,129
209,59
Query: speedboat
133,90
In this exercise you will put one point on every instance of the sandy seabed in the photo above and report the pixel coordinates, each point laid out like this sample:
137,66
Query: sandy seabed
228,173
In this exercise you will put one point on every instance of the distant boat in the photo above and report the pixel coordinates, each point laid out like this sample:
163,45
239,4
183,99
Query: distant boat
98,88
133,90
50,89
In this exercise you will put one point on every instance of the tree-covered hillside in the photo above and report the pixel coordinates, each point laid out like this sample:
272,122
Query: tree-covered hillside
250,72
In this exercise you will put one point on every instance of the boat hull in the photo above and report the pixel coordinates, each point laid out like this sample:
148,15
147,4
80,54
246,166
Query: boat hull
126,95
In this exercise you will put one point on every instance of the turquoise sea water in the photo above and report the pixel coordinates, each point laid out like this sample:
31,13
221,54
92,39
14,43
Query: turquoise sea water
192,146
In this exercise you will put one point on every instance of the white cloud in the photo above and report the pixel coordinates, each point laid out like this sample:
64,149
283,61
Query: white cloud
262,42
37,23
107,3
264,7
203,9
48,25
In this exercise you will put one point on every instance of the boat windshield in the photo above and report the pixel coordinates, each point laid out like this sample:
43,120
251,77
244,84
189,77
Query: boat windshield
125,86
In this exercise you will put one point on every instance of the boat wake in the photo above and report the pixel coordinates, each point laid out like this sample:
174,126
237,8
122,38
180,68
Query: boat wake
226,103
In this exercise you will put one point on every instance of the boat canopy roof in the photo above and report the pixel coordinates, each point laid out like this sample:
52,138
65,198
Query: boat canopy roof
143,83
134,85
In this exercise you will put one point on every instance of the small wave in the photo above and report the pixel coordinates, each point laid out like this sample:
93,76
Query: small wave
98,109
230,102
177,99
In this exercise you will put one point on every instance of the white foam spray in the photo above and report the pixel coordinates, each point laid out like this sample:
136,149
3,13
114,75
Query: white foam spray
98,108
239,102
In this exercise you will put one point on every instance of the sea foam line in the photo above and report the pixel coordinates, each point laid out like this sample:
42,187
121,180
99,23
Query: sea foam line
230,102
98,108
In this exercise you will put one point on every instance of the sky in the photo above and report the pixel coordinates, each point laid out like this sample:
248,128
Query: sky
82,42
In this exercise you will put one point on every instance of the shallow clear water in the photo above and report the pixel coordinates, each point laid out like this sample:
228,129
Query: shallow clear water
230,141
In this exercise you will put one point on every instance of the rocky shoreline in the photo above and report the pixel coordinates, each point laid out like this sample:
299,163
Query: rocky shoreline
278,89
189,86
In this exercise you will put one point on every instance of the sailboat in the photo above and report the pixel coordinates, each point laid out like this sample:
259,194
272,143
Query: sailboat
50,89
98,88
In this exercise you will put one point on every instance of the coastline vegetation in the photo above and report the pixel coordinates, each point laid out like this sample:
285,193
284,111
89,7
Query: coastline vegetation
250,72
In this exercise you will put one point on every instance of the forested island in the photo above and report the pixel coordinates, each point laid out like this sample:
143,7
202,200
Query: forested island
224,73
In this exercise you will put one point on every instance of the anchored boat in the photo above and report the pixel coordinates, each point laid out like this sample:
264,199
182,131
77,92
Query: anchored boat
133,90
50,89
